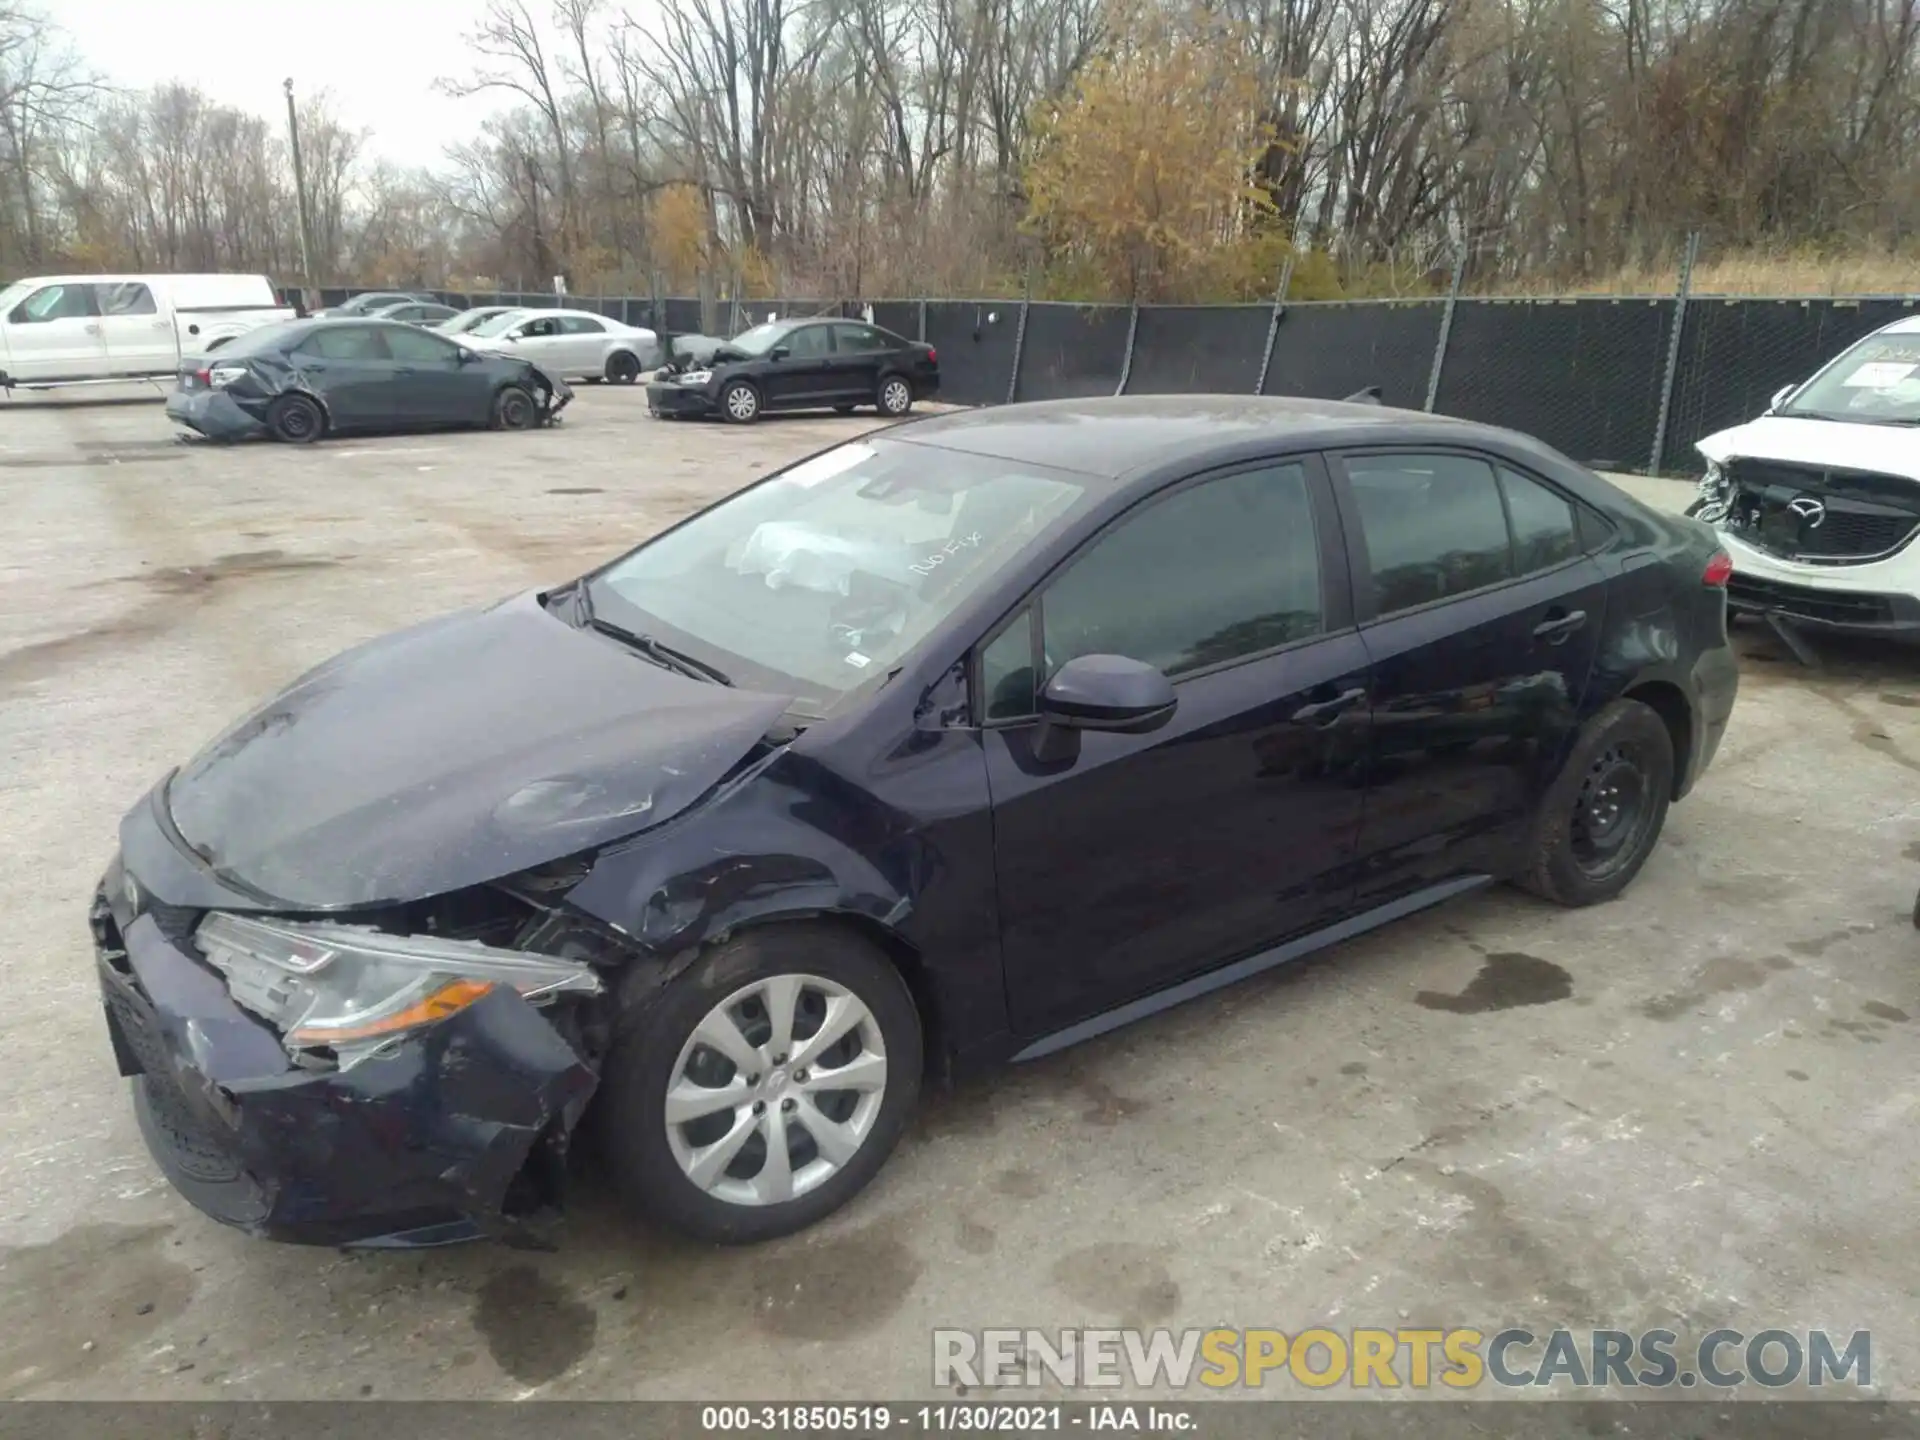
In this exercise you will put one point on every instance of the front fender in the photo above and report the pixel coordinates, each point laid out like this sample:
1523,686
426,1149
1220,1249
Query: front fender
796,840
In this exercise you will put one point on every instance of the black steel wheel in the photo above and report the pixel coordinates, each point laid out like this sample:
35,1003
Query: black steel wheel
1602,816
296,419
514,409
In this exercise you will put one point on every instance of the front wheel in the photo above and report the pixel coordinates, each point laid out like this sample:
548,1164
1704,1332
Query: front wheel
1602,815
513,409
740,403
763,1088
296,419
895,396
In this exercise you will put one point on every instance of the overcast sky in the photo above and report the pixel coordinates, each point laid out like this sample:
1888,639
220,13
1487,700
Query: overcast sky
378,57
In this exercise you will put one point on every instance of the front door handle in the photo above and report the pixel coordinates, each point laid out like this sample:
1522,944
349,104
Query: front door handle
1557,627
1325,712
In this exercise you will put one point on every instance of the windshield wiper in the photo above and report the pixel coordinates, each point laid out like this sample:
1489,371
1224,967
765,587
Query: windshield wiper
661,654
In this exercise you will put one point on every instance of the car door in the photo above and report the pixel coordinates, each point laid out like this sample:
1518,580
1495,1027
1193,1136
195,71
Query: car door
430,386
1481,613
540,341
139,339
348,368
803,375
54,334
1144,858
583,342
858,353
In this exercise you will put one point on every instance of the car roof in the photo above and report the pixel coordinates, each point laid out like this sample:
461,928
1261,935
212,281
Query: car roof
1116,436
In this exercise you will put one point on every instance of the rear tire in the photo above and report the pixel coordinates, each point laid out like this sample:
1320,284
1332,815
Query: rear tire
829,972
622,368
1602,816
740,402
296,420
895,396
514,409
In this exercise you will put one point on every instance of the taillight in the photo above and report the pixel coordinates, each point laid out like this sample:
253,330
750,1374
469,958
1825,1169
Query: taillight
204,377
933,356
1719,570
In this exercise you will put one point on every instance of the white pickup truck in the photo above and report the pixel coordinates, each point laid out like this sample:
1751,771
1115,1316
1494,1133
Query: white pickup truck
58,330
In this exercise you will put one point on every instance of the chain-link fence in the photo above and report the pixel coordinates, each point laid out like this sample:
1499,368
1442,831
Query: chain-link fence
1619,382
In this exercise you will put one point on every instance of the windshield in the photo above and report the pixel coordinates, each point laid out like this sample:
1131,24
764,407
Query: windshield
498,325
460,324
12,296
827,574
761,338
1877,381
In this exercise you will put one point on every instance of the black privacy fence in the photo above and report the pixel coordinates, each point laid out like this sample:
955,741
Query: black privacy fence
1601,379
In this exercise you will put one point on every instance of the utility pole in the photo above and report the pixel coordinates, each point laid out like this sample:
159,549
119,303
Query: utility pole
300,192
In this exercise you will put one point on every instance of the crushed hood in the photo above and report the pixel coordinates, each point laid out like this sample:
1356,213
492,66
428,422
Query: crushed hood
1835,444
454,753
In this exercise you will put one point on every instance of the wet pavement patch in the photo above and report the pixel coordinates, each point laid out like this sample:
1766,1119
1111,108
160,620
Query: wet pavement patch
1722,975
836,1288
535,1329
1129,1282
1508,979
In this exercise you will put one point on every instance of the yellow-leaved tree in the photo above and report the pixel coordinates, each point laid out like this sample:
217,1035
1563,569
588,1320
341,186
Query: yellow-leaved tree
1146,165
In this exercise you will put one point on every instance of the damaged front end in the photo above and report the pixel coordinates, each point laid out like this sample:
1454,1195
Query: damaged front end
399,1078
551,392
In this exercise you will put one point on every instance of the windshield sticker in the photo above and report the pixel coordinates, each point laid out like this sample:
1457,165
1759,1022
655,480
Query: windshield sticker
824,467
857,660
1878,375
939,557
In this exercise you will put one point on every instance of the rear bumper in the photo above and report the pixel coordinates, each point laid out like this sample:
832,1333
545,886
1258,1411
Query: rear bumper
458,1133
1716,684
212,413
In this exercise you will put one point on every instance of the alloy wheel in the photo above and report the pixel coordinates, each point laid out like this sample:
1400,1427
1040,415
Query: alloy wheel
742,403
776,1090
895,397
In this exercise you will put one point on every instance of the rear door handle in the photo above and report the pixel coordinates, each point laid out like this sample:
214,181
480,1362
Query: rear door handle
1325,712
1556,628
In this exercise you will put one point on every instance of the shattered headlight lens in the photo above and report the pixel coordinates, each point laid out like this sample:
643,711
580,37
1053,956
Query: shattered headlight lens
696,377
350,988
1714,497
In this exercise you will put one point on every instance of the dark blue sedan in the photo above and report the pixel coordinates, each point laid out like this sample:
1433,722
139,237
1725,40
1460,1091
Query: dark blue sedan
950,746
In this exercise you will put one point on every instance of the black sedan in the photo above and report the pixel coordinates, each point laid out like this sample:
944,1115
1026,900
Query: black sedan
953,745
799,365
299,381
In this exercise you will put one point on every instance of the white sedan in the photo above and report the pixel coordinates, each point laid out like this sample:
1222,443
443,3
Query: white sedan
570,344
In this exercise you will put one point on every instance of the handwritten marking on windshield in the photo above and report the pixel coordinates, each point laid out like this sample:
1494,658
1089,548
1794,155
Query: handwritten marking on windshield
940,556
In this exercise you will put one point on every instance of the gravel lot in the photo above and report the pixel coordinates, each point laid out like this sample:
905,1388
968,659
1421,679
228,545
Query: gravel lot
1692,1108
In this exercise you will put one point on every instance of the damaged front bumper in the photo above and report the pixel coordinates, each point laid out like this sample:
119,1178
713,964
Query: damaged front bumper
456,1132
553,393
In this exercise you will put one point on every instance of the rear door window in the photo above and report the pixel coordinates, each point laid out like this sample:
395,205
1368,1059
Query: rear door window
1434,525
345,342
1546,528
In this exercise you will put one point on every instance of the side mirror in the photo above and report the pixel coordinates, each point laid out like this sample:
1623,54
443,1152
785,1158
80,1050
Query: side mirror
1108,692
779,352
467,357
1780,397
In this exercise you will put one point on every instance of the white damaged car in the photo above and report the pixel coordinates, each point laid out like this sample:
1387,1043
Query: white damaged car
1819,498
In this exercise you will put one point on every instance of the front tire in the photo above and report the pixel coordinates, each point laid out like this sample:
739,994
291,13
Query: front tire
1602,816
740,403
719,1113
296,420
514,409
894,397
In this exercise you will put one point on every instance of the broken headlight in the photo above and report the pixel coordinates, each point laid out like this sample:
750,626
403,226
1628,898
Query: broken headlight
350,989
694,377
1714,498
